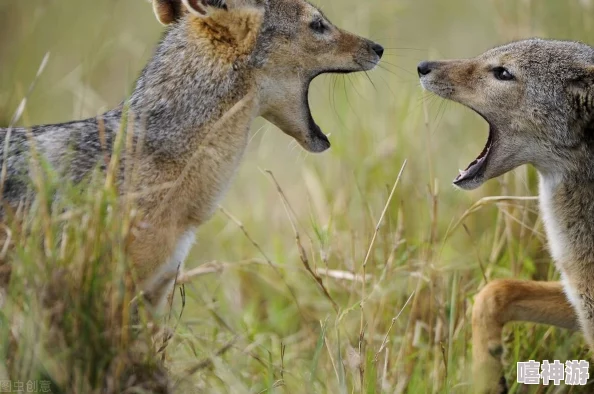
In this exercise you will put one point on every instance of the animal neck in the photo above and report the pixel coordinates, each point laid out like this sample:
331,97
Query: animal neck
567,161
182,91
191,108
567,205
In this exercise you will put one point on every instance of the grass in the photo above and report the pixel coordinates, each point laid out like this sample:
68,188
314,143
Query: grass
335,273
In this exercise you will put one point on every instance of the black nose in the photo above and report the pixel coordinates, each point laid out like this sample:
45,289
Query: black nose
424,68
378,49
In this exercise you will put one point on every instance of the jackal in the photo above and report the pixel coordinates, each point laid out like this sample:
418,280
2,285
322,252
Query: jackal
219,65
538,98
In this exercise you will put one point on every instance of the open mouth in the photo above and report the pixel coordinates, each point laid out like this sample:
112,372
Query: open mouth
475,171
316,140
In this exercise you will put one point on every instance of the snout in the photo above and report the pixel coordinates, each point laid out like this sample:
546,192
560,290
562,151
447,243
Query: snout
378,49
368,54
435,77
425,68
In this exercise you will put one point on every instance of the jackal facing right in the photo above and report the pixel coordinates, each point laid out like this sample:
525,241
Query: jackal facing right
219,65
538,98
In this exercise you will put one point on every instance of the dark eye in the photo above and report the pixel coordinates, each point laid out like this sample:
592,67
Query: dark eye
318,26
502,74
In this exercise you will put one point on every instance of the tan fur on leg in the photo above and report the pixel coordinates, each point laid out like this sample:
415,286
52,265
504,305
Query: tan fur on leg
508,300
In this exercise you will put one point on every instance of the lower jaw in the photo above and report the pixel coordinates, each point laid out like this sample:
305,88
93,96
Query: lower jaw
316,144
475,172
469,184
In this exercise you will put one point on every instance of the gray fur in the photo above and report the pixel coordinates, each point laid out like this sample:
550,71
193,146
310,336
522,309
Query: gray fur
543,116
190,114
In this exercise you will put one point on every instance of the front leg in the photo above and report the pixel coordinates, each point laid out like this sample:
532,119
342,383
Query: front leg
503,301
580,290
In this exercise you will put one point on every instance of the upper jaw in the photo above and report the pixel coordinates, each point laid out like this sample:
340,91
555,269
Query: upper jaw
481,168
441,89
474,174
366,64
316,141
493,160
285,103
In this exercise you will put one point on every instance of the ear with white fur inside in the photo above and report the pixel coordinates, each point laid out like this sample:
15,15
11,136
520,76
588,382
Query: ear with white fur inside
169,11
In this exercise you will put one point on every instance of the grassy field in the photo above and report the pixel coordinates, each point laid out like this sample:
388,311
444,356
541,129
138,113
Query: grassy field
398,270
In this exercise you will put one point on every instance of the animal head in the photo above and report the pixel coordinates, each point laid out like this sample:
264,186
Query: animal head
538,98
286,43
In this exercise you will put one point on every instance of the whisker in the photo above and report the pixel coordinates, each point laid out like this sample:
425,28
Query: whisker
428,99
291,145
398,67
388,70
445,107
369,78
387,85
379,65
256,133
346,95
355,87
333,102
437,114
334,82
405,49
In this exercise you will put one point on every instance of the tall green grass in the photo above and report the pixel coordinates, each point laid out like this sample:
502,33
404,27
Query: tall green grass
70,322
255,318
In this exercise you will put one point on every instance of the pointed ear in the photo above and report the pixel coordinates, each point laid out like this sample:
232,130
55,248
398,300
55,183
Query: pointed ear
169,11
582,93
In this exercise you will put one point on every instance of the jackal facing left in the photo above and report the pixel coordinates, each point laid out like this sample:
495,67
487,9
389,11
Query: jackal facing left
538,98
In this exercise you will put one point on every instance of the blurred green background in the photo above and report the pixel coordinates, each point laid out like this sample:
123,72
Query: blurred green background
299,343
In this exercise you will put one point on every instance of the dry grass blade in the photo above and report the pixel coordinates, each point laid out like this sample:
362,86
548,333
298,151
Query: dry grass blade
214,267
485,201
7,240
207,362
479,259
17,115
385,341
103,140
302,253
39,182
373,238
277,383
248,99
381,219
270,263
343,275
